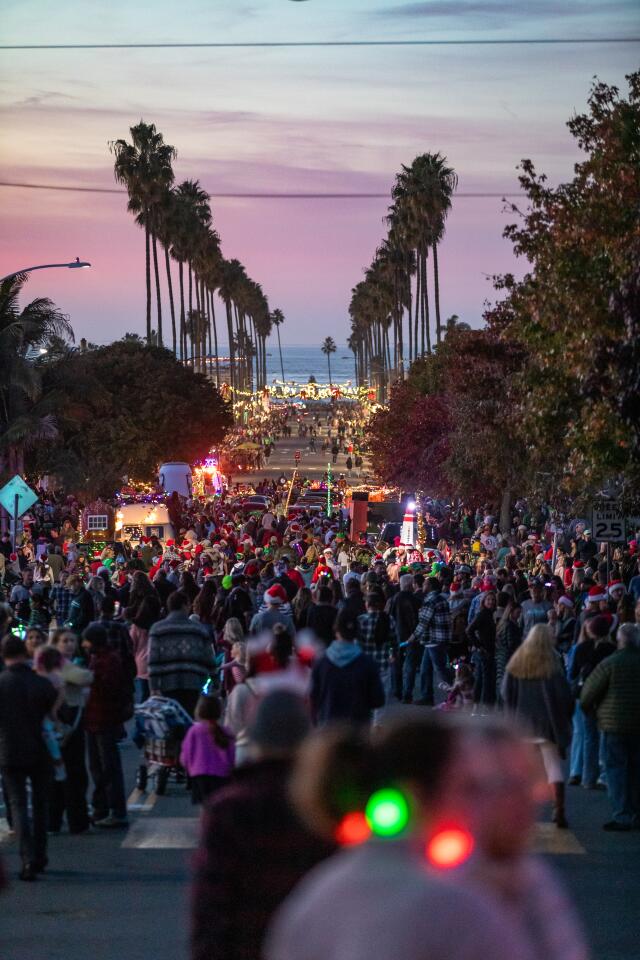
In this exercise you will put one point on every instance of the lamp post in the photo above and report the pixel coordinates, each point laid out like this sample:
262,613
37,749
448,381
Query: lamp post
76,264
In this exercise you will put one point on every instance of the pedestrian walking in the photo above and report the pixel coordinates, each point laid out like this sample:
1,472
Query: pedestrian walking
104,716
536,693
433,633
612,690
25,700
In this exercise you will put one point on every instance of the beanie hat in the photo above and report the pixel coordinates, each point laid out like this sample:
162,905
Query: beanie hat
596,594
276,594
280,722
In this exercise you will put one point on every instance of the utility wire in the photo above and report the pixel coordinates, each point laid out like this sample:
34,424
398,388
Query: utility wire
253,44
250,196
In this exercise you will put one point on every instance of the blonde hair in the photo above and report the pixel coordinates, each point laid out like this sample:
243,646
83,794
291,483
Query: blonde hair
233,632
535,658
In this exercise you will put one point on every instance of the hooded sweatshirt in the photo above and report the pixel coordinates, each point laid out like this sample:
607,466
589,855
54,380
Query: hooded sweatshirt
345,685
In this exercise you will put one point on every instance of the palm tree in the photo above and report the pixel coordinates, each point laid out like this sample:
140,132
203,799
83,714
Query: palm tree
277,317
25,338
329,347
144,167
422,199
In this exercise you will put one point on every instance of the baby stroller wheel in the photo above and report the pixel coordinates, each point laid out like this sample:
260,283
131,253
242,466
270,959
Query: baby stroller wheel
142,777
162,780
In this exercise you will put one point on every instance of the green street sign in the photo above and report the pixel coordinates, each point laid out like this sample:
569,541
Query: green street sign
17,488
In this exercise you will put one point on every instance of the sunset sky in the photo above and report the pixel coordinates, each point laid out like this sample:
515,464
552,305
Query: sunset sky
282,119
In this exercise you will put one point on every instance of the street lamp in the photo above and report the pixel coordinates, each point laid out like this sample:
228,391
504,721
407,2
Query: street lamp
74,265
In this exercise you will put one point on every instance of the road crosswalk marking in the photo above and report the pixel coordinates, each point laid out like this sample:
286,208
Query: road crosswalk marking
548,839
181,833
163,833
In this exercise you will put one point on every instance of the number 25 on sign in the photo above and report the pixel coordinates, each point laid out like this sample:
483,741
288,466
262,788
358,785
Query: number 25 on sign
608,525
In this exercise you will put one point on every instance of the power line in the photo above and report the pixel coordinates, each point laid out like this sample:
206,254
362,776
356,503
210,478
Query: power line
256,44
224,195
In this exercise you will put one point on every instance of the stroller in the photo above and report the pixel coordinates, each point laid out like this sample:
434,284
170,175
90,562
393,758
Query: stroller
161,725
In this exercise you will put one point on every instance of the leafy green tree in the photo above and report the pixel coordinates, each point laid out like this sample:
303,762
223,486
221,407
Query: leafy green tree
127,407
574,309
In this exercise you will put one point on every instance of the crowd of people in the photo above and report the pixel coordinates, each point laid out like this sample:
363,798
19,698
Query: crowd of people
288,642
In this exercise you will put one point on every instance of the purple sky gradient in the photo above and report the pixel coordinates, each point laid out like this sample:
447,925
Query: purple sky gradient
281,119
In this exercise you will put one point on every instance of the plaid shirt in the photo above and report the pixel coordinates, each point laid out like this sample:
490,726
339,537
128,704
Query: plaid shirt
381,650
434,621
61,601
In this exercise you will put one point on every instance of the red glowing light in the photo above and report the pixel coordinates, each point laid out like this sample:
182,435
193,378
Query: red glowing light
449,848
353,829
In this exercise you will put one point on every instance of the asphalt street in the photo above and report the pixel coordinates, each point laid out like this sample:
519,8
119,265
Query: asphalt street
115,894
124,894
312,464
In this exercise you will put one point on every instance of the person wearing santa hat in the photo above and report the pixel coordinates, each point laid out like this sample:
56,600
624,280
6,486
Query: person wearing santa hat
276,610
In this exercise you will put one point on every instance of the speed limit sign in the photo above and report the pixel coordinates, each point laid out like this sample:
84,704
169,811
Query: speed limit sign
608,524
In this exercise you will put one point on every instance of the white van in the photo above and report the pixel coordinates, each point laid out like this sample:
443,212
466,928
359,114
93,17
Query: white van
137,520
176,478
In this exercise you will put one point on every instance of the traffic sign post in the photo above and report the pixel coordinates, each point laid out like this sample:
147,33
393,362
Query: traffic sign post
16,497
608,523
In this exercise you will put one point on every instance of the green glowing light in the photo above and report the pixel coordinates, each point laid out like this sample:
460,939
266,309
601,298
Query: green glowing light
387,812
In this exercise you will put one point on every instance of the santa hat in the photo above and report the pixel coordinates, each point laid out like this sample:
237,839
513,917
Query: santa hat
198,550
565,602
616,585
276,594
170,543
487,586
578,564
454,587
596,594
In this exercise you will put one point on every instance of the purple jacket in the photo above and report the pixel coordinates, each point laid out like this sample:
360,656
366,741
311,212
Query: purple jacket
201,756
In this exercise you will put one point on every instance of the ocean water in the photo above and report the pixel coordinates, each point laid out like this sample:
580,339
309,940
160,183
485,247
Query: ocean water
301,362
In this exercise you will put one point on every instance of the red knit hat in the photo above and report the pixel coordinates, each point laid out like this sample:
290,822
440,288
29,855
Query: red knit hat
596,594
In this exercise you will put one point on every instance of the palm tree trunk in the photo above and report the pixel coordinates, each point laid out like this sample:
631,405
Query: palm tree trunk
436,292
280,351
423,284
158,296
427,318
183,325
167,262
418,298
329,362
147,244
215,338
227,304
